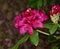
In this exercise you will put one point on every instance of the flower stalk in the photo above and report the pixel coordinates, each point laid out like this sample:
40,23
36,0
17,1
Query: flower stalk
47,34
43,32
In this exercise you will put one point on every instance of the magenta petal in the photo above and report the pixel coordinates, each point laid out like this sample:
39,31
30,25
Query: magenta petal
22,30
16,25
38,24
21,22
30,30
17,18
55,9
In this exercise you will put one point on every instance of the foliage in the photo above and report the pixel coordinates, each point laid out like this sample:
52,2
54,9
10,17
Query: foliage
35,38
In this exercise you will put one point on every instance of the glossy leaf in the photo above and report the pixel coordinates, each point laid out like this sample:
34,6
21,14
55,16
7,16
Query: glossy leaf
52,27
35,38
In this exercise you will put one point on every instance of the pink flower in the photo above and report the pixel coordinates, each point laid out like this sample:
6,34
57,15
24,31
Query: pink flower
55,13
30,20
55,9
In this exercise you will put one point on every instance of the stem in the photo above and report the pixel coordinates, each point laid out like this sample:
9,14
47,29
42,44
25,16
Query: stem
43,32
47,34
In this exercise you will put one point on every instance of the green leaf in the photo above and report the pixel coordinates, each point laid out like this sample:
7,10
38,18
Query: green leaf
24,39
57,37
51,38
45,2
52,27
55,47
39,4
35,38
52,2
32,3
48,25
58,25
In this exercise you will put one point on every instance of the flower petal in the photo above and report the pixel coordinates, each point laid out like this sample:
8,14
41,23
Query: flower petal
16,25
21,22
22,30
38,24
30,30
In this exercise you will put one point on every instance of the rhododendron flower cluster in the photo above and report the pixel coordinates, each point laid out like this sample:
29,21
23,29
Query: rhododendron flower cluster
55,10
55,13
29,20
